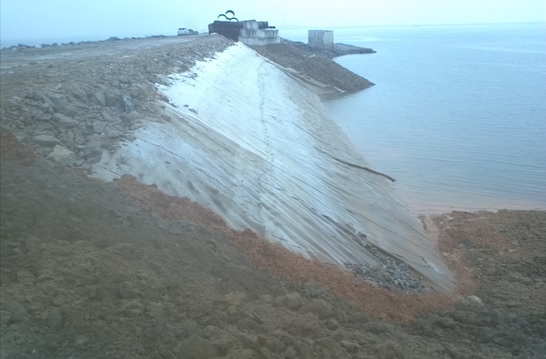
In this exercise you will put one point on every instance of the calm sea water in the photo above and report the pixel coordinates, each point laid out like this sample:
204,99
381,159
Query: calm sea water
457,116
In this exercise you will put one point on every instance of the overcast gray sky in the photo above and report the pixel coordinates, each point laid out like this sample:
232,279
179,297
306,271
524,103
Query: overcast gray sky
61,19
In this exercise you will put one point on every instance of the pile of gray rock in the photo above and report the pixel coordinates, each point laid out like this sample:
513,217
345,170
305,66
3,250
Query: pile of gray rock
74,125
338,50
313,63
72,111
391,273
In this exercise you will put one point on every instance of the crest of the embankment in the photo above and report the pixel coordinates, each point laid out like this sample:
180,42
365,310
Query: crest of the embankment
242,137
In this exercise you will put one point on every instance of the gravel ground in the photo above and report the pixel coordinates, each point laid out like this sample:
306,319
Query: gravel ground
315,64
121,270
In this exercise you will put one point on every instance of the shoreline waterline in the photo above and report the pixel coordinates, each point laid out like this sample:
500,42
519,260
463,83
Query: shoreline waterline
443,122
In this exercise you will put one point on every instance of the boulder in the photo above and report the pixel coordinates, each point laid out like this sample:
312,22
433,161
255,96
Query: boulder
61,104
62,155
142,91
92,153
63,121
98,127
99,98
46,140
78,93
111,99
127,104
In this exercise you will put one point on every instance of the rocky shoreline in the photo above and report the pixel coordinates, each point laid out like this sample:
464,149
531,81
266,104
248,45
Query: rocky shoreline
339,49
317,63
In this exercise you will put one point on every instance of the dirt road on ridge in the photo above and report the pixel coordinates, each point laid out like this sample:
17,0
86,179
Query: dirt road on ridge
18,56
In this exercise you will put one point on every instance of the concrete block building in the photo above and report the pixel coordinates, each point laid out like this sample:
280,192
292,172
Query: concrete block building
258,33
321,38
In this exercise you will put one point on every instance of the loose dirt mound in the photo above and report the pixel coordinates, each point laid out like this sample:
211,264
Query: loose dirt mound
91,270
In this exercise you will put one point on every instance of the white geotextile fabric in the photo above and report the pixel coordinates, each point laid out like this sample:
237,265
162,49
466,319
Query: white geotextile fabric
257,148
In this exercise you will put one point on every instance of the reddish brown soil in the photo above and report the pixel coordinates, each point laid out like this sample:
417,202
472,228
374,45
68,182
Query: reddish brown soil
91,270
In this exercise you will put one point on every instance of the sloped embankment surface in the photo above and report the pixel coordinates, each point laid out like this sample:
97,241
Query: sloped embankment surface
242,138
89,269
